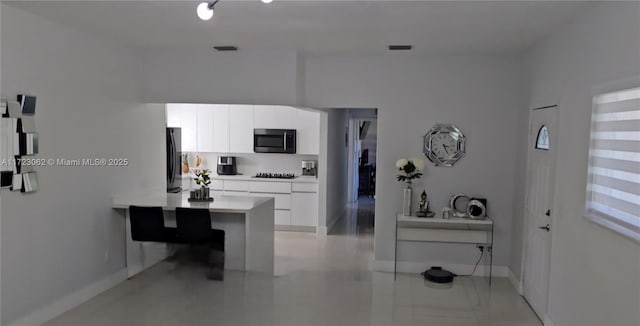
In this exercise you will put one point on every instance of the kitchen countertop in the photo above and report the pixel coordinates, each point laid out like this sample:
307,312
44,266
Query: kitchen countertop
230,204
299,179
249,240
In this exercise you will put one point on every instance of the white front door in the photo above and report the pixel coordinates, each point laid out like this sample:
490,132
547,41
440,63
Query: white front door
540,193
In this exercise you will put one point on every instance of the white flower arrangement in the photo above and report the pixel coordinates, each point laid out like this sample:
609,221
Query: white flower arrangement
411,169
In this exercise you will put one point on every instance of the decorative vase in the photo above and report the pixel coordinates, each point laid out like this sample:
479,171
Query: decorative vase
205,192
406,201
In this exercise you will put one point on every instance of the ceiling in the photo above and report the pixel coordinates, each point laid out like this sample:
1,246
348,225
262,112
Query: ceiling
318,27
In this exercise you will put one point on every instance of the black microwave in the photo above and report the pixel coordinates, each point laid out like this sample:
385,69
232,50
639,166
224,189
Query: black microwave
274,141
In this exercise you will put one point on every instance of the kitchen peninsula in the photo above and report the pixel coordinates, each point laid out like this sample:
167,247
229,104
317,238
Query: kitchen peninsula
247,221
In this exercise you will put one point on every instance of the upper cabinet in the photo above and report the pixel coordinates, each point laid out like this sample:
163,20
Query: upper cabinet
308,135
184,116
189,128
241,119
221,132
213,128
174,119
222,128
205,128
275,117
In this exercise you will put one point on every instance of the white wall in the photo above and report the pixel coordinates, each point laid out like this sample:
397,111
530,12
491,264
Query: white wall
337,165
56,240
482,95
207,76
595,273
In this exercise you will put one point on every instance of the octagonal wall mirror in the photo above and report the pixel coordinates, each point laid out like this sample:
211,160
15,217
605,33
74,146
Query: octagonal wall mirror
444,145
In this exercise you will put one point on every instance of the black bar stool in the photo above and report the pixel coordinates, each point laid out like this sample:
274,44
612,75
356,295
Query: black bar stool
147,224
194,227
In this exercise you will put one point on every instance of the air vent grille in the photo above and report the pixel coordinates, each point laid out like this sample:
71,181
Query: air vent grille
224,48
400,47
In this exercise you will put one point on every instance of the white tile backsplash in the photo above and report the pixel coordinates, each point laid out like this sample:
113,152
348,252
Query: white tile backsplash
250,164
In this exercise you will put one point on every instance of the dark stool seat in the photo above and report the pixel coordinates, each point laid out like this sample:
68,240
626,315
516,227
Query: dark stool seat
147,224
194,227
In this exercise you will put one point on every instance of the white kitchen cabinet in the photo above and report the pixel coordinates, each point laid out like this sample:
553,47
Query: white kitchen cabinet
185,117
189,127
304,187
217,184
174,119
235,193
236,186
270,187
275,117
213,128
304,209
282,217
282,201
281,191
241,128
221,129
308,135
204,132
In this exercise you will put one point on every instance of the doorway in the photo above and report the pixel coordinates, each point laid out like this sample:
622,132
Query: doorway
362,159
541,166
362,156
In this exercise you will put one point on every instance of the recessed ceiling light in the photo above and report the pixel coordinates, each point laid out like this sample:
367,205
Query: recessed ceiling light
224,48
266,1
400,47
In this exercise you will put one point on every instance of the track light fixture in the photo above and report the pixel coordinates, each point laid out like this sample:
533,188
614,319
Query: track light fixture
205,10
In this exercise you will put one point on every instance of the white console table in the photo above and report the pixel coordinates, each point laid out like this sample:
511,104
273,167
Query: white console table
452,230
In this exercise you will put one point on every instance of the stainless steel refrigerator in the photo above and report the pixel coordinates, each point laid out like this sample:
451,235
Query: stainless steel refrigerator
174,160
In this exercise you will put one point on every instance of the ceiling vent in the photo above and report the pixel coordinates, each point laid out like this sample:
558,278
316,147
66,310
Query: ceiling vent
400,47
226,48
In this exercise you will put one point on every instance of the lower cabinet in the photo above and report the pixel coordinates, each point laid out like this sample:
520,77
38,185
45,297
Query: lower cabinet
282,201
236,193
295,205
304,209
282,217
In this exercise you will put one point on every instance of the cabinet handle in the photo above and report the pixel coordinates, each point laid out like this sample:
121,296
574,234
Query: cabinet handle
284,137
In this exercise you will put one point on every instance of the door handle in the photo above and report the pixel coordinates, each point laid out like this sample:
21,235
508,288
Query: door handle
546,227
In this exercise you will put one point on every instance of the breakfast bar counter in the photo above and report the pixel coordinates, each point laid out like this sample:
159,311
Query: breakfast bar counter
169,202
247,221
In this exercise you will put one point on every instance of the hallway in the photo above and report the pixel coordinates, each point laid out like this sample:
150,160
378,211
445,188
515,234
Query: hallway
320,280
359,219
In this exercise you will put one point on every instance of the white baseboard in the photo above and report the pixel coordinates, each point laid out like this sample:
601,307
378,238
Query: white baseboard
324,230
515,281
419,267
295,228
71,301
134,269
548,321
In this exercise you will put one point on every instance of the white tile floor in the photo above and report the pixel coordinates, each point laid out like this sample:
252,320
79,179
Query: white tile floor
319,281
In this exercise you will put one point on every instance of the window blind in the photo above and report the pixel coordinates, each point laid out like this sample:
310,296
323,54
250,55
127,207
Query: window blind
613,186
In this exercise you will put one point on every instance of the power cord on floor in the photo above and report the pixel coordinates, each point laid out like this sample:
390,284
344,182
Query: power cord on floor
478,262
